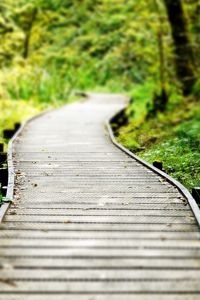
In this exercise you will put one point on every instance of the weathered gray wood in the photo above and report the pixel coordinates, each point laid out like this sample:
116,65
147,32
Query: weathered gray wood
102,275
77,252
67,263
101,243
126,206
101,234
93,227
88,222
120,219
95,296
102,212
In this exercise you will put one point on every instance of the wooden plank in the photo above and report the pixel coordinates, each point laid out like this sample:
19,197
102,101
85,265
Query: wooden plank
84,234
79,252
95,219
93,227
103,287
108,197
110,187
68,263
124,206
86,211
95,296
100,275
102,243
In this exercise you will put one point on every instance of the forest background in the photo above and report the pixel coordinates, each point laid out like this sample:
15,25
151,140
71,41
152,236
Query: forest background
147,49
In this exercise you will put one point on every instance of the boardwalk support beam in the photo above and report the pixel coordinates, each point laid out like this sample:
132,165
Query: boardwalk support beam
196,194
3,157
8,133
158,165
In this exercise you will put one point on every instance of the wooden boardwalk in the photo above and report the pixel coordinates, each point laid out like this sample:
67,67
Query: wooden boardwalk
89,222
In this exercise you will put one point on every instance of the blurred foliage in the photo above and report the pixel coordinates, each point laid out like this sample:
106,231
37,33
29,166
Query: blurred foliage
12,112
83,44
54,46
49,48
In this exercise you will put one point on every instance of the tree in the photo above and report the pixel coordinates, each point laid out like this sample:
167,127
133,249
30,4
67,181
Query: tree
184,53
28,30
193,7
160,101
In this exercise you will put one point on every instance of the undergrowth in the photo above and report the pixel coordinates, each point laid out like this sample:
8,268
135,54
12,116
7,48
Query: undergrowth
172,137
16,111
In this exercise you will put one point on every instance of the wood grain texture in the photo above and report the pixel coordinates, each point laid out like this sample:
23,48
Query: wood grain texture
89,222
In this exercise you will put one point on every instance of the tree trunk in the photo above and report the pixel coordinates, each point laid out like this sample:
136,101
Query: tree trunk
28,34
184,54
195,19
163,93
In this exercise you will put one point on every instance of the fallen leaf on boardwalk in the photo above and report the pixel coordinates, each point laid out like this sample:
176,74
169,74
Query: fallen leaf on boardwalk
7,266
46,174
162,180
22,174
125,203
13,213
8,282
66,222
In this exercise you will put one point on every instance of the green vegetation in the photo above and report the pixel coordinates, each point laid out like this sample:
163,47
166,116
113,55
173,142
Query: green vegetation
51,48
172,137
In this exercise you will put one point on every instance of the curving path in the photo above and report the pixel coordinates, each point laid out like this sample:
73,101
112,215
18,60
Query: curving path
91,223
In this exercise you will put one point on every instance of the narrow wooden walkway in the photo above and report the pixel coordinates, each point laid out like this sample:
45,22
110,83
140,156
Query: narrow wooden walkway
91,223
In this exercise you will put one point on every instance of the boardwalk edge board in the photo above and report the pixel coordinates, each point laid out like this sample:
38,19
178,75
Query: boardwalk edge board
183,190
11,174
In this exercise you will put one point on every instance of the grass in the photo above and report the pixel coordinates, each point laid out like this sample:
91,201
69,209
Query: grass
14,111
172,137
26,90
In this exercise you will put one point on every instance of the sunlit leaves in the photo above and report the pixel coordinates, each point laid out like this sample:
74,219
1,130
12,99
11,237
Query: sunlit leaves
84,43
